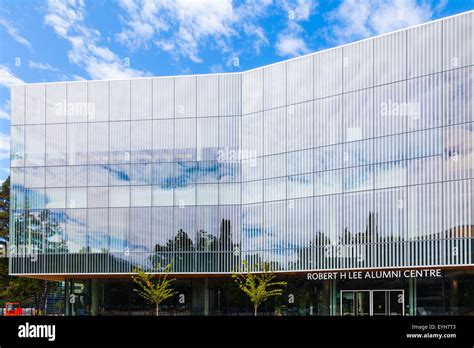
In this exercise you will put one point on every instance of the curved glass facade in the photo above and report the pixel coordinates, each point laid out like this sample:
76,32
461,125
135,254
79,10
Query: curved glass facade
361,156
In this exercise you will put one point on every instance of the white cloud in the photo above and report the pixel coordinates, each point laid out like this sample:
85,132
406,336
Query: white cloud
41,66
359,19
217,68
290,40
78,78
7,78
398,14
441,5
4,146
291,46
142,22
4,114
67,18
13,32
165,45
188,25
299,10
260,37
5,111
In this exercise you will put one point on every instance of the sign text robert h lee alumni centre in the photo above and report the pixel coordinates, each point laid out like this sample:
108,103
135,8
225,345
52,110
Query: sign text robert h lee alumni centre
420,273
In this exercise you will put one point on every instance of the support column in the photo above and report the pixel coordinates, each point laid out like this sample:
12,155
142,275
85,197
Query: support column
197,291
71,298
206,296
95,294
333,297
412,296
452,307
67,305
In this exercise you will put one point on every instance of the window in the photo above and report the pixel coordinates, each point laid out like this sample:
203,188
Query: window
119,196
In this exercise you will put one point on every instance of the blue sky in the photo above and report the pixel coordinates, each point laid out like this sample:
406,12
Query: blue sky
43,41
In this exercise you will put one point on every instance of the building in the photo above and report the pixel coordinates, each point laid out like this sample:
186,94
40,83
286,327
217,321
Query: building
351,170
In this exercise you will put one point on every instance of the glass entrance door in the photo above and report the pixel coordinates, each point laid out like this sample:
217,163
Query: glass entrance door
355,303
379,302
372,302
396,302
347,303
388,302
362,303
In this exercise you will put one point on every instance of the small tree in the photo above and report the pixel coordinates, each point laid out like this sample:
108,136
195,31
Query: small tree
154,292
260,286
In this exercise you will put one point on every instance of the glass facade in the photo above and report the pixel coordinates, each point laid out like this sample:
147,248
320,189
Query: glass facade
358,157
450,294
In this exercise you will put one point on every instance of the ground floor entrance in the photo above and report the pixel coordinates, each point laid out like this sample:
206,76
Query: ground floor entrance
372,302
452,293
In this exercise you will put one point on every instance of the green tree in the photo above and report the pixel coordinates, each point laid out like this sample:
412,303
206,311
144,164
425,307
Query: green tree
258,286
182,248
5,207
19,289
154,292
15,289
27,291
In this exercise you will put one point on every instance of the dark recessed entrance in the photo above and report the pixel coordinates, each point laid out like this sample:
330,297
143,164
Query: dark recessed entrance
372,302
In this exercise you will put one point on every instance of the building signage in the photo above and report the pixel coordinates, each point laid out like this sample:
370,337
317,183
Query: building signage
383,274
